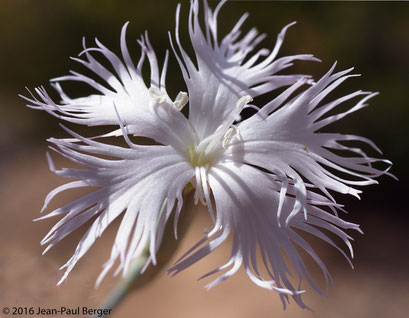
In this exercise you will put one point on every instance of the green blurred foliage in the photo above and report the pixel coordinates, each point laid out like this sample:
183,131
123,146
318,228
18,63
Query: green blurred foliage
37,37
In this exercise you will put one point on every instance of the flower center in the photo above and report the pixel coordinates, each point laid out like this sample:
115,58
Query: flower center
199,158
204,152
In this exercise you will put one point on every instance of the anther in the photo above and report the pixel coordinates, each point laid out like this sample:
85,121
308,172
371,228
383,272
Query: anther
243,101
157,95
181,100
230,134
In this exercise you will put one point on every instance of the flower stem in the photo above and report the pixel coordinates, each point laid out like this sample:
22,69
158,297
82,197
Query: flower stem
121,290
165,253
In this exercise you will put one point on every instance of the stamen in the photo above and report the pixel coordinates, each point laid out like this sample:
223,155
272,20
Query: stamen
181,100
243,101
157,95
230,134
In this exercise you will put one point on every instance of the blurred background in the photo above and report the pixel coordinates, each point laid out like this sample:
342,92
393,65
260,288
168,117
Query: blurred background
36,40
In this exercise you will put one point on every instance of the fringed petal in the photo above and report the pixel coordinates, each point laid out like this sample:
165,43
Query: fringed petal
247,200
123,88
283,136
224,70
139,183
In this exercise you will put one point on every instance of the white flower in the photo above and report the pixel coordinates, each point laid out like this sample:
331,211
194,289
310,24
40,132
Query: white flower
262,179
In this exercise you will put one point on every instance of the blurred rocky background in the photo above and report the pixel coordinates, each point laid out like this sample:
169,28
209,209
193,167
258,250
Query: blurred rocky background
36,40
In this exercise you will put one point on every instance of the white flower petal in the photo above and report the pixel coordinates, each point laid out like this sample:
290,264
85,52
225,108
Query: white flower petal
247,201
264,180
283,137
125,89
135,184
222,74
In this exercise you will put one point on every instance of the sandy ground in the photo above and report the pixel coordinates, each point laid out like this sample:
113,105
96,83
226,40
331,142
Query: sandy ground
378,287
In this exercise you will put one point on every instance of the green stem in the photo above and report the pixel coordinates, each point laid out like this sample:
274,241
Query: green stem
168,247
121,290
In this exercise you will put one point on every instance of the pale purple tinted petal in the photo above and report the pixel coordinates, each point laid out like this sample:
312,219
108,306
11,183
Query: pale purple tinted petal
123,88
136,183
283,137
247,201
224,71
